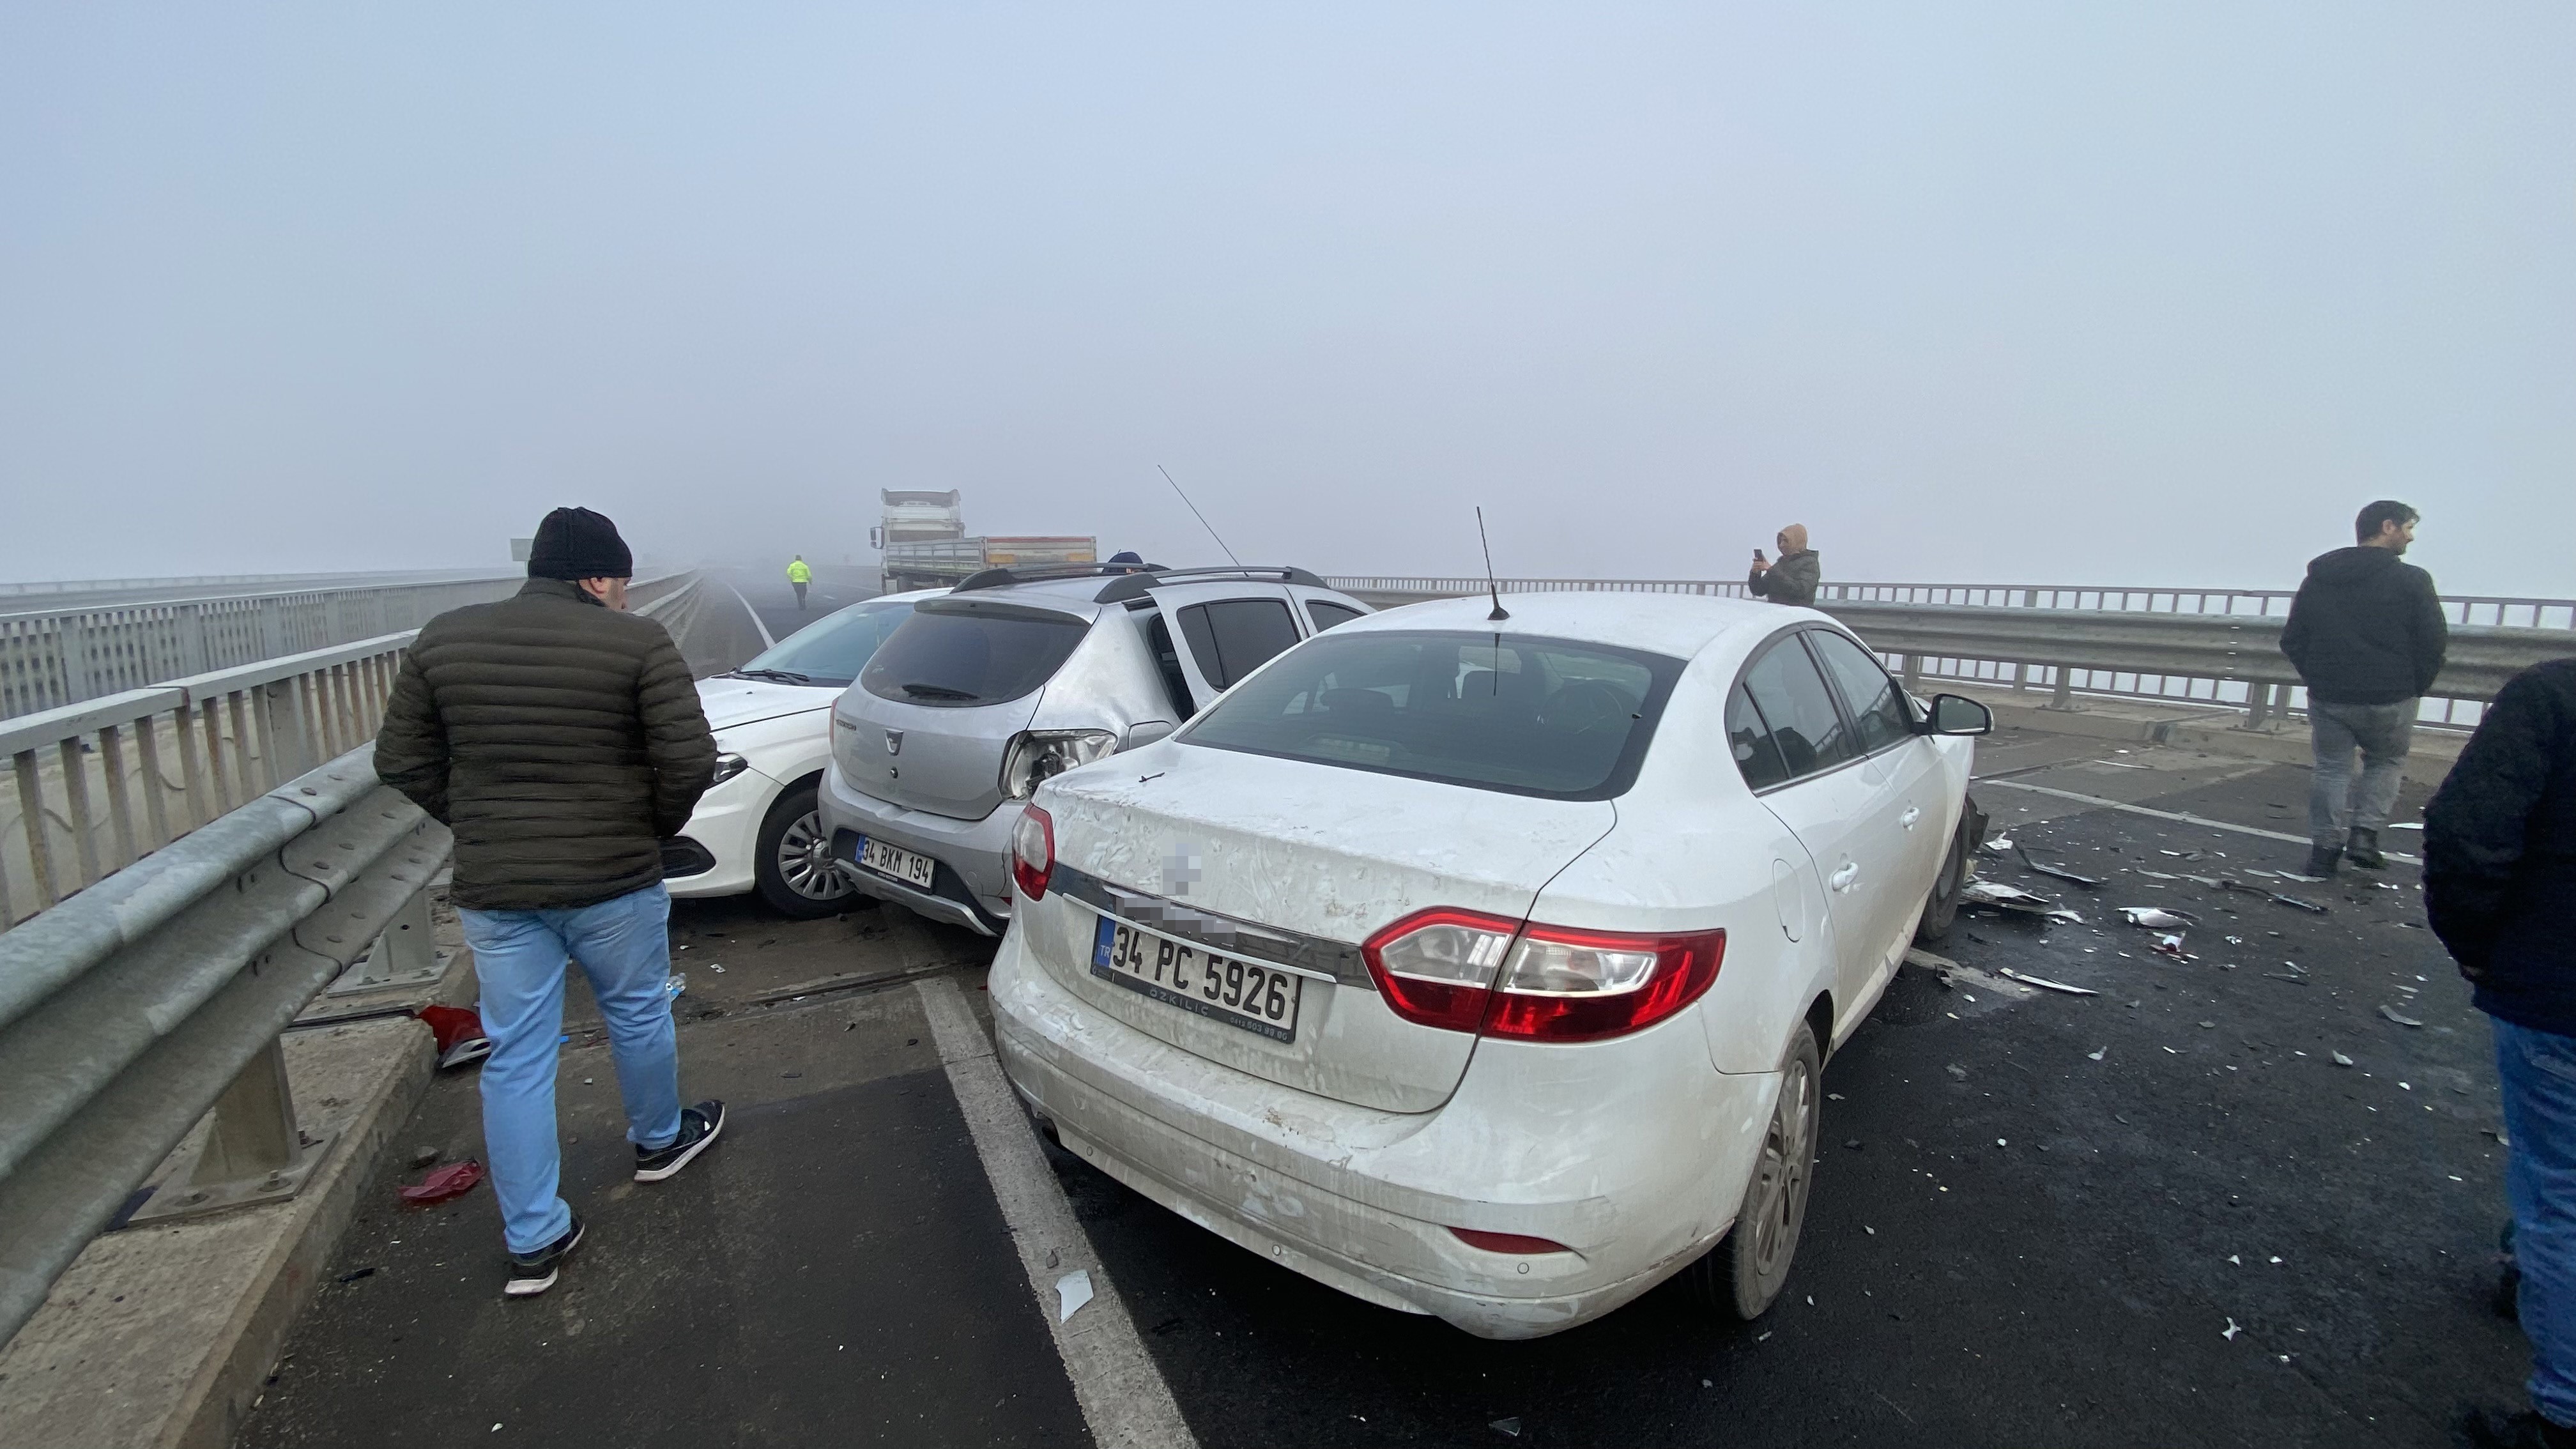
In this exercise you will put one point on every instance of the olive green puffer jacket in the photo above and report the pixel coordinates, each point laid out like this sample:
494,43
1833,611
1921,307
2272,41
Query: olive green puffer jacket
561,739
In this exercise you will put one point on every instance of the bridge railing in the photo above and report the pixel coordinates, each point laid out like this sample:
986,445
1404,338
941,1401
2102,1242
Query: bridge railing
56,650
96,786
2217,648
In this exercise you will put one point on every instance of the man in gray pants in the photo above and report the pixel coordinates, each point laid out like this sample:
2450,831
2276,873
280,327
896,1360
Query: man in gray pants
2366,634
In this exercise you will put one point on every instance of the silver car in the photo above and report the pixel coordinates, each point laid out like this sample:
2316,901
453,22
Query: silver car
1016,676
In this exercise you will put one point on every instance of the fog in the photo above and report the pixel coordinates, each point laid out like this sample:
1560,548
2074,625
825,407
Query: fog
1979,292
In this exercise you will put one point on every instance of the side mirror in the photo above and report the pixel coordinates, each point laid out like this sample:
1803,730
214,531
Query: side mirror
1146,731
1954,714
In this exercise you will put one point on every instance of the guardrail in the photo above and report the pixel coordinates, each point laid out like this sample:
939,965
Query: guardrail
99,785
2220,648
130,1011
69,652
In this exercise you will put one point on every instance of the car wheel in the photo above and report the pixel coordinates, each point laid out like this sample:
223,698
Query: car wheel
793,873
1747,1271
1941,908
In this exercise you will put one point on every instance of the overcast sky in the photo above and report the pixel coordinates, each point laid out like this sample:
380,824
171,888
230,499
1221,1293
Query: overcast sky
2045,292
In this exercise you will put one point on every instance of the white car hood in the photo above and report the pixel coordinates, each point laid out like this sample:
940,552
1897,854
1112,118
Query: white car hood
731,702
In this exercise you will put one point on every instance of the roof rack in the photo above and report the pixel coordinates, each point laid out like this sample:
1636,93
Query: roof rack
1138,585
996,578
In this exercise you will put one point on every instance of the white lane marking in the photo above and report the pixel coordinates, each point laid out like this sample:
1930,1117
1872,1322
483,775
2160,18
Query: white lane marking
2201,821
1124,1399
765,641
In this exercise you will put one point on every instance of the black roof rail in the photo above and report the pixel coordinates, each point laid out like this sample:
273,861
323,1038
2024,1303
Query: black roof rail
996,578
1138,585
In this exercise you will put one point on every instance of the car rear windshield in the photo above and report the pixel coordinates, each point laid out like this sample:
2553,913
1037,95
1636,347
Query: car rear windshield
831,650
1558,718
954,653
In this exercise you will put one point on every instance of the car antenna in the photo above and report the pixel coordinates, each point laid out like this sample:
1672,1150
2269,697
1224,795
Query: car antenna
1202,518
1492,588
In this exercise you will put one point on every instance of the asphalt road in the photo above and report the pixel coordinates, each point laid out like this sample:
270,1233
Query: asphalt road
770,597
2160,1214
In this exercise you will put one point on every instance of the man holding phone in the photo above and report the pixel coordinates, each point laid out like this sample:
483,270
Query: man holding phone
1793,579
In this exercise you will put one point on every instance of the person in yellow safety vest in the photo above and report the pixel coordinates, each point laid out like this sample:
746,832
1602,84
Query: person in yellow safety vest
799,575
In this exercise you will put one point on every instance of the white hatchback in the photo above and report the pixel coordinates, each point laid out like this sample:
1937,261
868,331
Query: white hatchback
1485,968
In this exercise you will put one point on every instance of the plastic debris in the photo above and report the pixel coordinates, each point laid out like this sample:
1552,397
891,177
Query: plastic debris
2045,984
454,1180
356,1274
2153,874
2171,946
1510,1428
2341,1060
2232,1331
2239,1262
716,967
2056,872
1994,895
2000,845
2392,1014
1071,1292
674,984
2406,825
457,1033
2095,1056
2157,918
424,1156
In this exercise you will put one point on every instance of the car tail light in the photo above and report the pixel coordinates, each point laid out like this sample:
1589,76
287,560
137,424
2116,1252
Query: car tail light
1437,967
1036,756
1567,985
1508,1242
1033,852
1466,971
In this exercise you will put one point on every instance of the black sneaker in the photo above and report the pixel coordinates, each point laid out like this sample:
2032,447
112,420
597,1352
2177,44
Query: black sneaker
698,1127
2363,850
534,1273
2321,859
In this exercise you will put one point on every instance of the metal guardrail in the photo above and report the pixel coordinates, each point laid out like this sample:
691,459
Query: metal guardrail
158,992
130,1011
2220,648
99,785
66,651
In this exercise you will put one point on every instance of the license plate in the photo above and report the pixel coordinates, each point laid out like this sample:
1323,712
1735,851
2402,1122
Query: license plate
1253,995
913,870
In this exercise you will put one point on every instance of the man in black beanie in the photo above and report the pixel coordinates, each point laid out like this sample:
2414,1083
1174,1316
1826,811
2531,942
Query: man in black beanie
561,738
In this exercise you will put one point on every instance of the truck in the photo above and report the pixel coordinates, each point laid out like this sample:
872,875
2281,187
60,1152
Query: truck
923,535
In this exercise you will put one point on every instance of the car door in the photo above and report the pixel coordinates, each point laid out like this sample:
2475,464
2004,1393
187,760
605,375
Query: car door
1908,765
1221,632
1820,791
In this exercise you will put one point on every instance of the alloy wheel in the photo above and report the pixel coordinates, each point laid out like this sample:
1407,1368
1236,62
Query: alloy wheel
805,863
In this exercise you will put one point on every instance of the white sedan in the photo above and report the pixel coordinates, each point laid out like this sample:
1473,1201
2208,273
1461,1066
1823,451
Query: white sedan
1486,968
756,829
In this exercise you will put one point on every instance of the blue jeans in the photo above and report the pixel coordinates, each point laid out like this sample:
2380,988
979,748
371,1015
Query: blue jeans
624,947
2538,1069
2382,733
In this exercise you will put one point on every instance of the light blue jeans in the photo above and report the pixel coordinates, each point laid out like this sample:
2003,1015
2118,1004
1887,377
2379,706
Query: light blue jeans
2538,1069
624,948
2336,801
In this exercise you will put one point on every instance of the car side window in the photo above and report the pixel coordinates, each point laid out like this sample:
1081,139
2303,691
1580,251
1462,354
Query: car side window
1167,663
1756,753
1878,711
1793,700
1234,637
1327,615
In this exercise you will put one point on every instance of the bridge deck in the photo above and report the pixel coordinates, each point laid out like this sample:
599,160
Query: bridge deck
2037,1214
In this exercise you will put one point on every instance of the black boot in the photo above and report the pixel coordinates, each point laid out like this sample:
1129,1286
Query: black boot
2364,850
2322,858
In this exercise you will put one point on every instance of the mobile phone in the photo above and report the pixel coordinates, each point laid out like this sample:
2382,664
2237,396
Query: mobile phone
1757,555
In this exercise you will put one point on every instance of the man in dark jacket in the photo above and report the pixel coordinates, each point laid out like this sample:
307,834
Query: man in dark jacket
1793,579
561,738
2500,890
2366,634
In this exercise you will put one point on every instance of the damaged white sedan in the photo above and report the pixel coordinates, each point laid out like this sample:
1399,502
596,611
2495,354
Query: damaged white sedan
1485,967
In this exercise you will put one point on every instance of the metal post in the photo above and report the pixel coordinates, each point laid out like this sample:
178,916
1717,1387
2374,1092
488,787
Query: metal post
253,1153
68,638
1913,673
2064,697
286,731
407,954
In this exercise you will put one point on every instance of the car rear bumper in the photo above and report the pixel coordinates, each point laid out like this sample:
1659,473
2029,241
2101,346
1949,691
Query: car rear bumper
974,888
1364,1200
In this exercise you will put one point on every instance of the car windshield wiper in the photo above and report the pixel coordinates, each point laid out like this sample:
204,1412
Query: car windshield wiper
936,691
784,676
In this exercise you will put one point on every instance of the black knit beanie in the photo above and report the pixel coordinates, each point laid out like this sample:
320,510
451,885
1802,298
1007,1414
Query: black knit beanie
575,543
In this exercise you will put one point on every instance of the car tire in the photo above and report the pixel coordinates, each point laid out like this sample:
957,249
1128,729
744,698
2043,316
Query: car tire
1746,1271
1941,908
789,868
